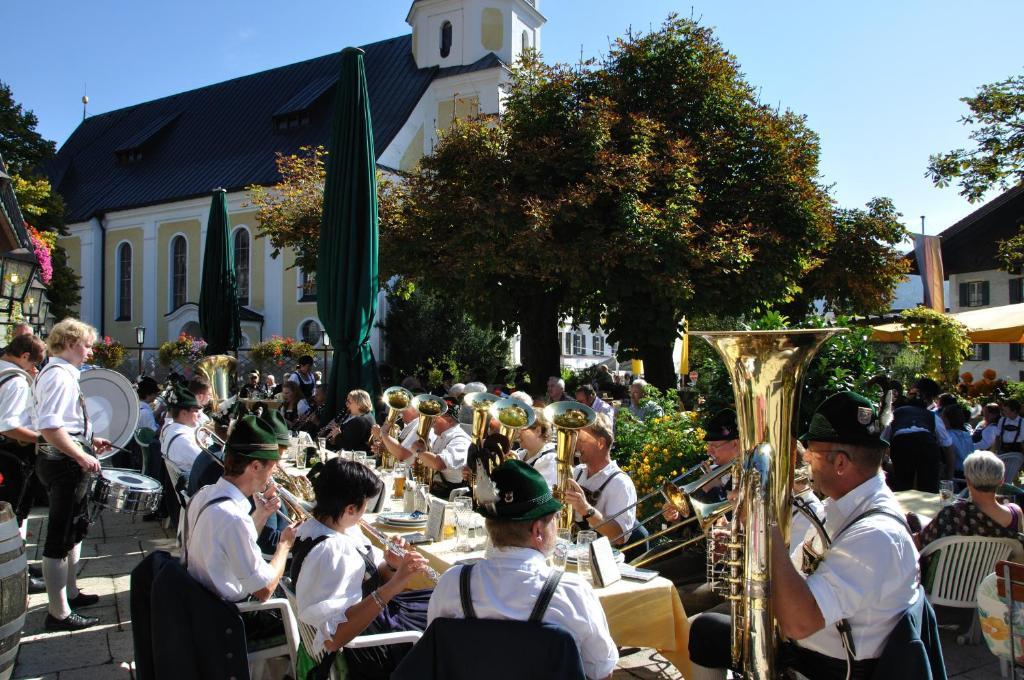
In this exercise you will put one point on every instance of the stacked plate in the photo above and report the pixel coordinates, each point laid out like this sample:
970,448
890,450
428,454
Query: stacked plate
574,552
403,520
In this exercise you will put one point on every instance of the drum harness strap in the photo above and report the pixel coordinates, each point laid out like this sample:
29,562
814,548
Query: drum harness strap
539,607
843,626
7,375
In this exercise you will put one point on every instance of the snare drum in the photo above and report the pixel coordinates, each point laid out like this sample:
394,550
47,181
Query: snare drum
128,491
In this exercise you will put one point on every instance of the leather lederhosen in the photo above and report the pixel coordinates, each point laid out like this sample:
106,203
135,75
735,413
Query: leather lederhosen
1014,446
593,496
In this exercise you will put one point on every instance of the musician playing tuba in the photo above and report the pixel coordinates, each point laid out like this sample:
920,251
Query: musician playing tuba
865,581
407,443
446,456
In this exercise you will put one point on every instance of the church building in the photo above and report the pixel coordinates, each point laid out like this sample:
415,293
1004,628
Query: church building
137,181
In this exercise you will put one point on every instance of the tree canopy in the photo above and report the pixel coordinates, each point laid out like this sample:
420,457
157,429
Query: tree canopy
997,159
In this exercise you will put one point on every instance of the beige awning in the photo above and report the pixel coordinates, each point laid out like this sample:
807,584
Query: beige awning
991,324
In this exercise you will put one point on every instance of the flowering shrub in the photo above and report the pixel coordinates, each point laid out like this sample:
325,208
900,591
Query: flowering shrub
43,244
656,450
279,351
107,353
186,349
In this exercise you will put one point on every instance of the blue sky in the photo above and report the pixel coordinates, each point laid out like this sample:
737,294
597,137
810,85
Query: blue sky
880,81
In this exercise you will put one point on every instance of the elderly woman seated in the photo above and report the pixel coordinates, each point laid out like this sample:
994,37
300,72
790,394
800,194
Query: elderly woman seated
981,514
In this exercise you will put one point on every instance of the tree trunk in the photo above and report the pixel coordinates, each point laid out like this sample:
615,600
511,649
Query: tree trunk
658,367
538,344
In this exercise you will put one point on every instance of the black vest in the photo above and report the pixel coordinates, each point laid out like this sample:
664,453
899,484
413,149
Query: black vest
913,416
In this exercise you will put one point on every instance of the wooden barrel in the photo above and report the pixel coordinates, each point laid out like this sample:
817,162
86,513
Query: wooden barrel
13,589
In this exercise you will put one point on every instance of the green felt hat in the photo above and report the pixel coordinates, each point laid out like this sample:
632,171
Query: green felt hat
721,427
253,438
523,494
846,418
182,397
275,420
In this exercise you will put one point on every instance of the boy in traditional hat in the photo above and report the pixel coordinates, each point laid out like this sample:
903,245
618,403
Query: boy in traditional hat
178,440
506,583
220,549
868,577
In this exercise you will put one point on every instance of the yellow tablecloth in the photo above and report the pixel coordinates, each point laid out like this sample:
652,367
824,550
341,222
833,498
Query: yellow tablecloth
922,503
639,614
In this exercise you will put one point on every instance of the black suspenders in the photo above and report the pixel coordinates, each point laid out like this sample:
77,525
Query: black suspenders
539,607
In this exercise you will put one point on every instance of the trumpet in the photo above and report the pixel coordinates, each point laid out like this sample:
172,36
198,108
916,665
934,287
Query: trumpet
207,438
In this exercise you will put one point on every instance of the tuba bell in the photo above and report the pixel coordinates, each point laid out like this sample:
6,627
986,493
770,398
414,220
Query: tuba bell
513,415
220,370
568,417
395,398
767,370
429,407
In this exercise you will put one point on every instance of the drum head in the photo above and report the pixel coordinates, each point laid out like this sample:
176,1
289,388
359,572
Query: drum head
130,479
112,404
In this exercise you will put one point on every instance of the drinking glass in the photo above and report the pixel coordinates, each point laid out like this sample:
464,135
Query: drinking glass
463,520
449,522
563,543
946,491
371,463
583,541
321,443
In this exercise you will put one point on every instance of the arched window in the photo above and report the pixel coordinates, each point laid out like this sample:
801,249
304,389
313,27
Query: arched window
446,39
124,282
526,40
311,332
241,246
179,271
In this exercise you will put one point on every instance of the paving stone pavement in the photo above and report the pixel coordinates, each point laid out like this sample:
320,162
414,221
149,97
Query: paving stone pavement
116,544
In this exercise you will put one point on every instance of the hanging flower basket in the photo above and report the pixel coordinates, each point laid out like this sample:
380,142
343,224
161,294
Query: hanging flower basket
107,353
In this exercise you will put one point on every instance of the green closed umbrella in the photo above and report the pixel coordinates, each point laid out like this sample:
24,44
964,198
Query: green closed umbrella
218,291
346,278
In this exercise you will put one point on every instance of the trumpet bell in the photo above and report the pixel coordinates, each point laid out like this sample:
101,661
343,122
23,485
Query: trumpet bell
569,415
220,370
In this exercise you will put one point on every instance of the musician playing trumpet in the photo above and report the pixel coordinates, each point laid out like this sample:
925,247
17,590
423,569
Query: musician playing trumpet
345,587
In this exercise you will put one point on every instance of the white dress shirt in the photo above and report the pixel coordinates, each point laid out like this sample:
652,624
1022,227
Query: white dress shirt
619,493
869,576
505,585
16,405
988,437
452,446
178,443
601,406
57,394
222,551
146,417
408,436
331,580
545,462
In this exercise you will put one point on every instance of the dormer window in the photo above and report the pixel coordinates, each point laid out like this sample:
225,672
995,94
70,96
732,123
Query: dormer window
295,113
446,39
131,150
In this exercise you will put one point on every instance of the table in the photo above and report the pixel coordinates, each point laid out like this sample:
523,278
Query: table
924,504
639,614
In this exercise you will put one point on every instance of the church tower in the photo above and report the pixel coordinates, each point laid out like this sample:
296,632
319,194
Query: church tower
461,32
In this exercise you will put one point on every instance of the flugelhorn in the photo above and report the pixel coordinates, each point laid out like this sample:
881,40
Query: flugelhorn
513,415
568,417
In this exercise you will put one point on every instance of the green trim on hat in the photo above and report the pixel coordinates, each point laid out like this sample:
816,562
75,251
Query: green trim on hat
523,494
254,438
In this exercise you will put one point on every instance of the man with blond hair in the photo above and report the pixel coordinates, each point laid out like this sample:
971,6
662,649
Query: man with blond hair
64,464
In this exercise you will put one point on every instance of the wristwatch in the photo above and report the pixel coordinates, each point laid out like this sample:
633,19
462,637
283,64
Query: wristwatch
590,513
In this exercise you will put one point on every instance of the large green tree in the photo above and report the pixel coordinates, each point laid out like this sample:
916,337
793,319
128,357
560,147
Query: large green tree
25,152
997,159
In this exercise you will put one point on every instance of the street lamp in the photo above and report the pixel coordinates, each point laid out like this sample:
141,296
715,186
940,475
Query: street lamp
326,340
140,339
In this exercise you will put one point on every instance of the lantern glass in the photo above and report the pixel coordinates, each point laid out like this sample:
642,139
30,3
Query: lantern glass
140,335
326,339
17,275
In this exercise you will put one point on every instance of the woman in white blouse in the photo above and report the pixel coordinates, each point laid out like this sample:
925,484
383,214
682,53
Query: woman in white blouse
537,451
344,587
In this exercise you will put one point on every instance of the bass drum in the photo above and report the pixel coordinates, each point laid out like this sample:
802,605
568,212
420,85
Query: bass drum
112,405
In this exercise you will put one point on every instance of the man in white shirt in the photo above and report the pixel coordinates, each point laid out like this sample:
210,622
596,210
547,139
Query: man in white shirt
447,454
1010,439
988,429
219,542
599,487
507,582
867,578
178,440
587,395
18,433
408,443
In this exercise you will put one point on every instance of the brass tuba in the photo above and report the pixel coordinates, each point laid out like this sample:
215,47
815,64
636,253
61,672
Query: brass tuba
767,370
568,417
220,370
396,399
481,403
429,407
513,415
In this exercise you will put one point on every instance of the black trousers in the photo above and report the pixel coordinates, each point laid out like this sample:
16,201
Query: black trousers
68,522
17,465
916,462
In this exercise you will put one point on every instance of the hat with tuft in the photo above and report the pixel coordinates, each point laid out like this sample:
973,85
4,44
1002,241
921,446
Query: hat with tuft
846,418
522,494
253,438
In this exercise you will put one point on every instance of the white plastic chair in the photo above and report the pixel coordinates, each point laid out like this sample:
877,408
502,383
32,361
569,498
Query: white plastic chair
307,634
963,561
1013,463
290,647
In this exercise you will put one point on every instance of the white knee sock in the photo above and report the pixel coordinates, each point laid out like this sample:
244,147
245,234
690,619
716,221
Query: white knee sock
73,557
55,573
23,530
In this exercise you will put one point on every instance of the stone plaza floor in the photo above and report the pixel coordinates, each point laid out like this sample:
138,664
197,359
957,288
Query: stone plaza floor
116,544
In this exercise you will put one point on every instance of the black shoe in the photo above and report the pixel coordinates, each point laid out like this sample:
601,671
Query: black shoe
83,600
154,517
73,622
36,586
35,571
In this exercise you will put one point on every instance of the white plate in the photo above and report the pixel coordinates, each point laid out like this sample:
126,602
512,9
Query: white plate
401,519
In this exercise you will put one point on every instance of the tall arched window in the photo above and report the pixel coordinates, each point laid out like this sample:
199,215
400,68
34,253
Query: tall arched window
124,282
241,246
526,41
446,39
179,271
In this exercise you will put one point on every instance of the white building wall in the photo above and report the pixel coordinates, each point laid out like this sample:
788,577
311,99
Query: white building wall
999,295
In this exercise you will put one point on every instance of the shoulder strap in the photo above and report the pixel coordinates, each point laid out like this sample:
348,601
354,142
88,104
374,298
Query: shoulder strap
184,529
868,513
608,481
170,444
467,599
9,374
578,475
544,599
